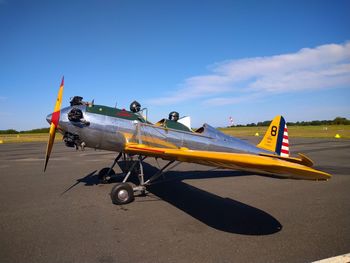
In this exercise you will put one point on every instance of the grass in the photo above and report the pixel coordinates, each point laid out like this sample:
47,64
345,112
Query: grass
293,131
31,137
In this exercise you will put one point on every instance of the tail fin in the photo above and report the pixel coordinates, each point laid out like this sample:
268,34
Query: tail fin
276,137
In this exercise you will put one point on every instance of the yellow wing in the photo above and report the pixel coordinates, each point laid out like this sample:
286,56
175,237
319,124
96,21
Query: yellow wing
238,161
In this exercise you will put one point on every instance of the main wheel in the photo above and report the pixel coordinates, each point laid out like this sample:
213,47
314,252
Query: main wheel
122,194
104,175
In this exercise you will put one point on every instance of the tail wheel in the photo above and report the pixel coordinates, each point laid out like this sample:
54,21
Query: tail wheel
122,194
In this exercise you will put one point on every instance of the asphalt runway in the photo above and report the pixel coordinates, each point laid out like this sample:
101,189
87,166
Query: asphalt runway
198,214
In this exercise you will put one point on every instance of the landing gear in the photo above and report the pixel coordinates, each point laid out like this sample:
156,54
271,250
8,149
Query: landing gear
122,193
105,175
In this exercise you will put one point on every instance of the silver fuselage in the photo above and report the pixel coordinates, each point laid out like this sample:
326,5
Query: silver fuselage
112,133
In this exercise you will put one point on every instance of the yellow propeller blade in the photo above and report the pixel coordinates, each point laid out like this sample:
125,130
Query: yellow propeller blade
55,117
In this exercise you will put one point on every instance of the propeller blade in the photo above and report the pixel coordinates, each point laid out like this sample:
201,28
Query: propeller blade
55,117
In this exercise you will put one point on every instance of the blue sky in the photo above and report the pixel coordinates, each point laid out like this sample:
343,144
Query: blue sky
250,60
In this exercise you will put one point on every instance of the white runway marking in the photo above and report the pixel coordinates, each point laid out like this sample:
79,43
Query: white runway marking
338,259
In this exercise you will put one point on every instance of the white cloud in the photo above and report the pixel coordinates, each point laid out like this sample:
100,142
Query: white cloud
196,87
234,81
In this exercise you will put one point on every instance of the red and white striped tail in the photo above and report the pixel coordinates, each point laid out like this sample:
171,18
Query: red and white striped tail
285,143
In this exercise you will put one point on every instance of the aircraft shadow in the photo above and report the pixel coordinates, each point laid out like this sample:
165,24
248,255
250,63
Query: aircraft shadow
88,180
221,213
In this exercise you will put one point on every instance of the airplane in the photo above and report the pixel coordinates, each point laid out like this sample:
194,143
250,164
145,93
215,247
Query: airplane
130,134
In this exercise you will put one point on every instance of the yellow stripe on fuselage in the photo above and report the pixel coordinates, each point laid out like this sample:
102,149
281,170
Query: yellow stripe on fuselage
148,140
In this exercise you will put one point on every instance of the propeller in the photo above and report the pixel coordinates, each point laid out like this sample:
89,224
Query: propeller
55,117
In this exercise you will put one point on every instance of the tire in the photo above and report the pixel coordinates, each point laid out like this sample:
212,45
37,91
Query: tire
122,193
103,177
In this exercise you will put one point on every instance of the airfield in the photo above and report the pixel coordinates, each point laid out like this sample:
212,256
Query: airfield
198,214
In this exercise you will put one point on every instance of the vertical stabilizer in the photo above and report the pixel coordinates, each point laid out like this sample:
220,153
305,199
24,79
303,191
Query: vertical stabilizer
276,137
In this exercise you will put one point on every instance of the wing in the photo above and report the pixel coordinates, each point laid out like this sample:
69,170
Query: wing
263,164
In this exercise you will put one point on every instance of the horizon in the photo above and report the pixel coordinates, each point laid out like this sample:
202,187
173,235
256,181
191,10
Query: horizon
259,123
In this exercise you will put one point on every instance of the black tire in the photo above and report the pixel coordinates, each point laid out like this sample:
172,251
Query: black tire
103,175
122,193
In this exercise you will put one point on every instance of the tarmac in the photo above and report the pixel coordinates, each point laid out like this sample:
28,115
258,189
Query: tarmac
197,214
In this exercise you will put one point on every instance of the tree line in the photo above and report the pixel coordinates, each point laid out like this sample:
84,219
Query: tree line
336,121
12,131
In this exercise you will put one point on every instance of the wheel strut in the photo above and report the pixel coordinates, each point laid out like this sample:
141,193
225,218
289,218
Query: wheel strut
106,173
123,193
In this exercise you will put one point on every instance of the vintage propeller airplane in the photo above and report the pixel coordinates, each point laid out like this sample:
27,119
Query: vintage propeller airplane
84,124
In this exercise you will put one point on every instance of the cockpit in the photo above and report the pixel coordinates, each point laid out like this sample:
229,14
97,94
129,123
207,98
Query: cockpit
175,122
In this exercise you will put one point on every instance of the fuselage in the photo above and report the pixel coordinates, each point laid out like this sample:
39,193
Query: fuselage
106,128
